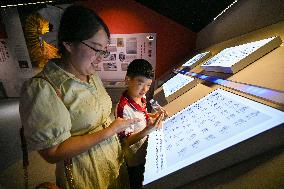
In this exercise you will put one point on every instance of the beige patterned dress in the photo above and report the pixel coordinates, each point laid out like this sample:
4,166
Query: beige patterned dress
83,108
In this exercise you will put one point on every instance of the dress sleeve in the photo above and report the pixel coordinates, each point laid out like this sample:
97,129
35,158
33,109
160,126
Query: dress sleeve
44,116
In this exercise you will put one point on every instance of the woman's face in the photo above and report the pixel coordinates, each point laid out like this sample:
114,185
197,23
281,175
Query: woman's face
85,55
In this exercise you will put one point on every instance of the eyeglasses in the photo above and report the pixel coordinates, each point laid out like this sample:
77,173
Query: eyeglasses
102,53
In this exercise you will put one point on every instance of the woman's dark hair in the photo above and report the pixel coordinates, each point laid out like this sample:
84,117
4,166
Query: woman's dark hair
78,23
140,67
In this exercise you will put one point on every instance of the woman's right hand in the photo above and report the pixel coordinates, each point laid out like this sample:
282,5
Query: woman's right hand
120,124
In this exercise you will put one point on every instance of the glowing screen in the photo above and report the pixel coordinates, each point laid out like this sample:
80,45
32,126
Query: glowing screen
213,123
176,83
230,56
195,59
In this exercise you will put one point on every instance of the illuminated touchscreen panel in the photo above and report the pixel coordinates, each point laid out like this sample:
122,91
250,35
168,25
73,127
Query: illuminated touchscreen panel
196,59
233,59
176,83
217,121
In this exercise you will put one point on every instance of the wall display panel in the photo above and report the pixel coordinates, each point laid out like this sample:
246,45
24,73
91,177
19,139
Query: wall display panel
15,64
215,122
178,85
233,59
197,59
123,49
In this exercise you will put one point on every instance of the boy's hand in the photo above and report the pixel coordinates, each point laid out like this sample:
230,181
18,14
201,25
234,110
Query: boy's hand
166,114
156,124
159,121
161,110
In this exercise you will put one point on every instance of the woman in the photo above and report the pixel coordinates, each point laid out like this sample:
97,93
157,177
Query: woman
65,109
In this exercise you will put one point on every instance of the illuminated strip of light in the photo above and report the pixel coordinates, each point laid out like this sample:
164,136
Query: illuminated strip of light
264,93
21,4
225,9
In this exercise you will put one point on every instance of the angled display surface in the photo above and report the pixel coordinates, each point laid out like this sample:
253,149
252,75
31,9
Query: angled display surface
196,59
216,122
177,85
233,59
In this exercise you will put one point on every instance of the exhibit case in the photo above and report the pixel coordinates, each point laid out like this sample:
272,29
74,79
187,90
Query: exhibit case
197,59
178,85
203,134
233,59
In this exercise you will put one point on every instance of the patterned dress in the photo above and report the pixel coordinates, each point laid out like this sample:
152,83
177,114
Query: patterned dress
82,108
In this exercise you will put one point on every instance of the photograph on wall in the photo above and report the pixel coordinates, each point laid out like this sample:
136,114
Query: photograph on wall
120,42
131,45
129,58
121,56
112,48
112,57
124,66
110,66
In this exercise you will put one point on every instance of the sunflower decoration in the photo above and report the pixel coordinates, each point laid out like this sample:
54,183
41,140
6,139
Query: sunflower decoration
40,51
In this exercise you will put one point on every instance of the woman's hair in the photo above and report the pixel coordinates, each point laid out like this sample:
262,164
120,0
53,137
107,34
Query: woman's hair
140,67
77,24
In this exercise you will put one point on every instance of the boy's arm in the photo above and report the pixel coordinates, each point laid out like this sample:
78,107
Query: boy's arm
135,137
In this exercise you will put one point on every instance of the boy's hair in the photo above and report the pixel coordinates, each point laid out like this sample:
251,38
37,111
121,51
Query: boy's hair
140,67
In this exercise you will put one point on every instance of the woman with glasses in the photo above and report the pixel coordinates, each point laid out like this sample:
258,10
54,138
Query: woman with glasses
65,109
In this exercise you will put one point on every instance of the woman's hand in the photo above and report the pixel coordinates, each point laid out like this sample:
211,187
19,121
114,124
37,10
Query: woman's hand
119,124
79,144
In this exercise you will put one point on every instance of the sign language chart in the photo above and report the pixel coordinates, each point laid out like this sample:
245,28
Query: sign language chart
215,122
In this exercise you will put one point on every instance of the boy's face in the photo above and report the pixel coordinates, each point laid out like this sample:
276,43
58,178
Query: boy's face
138,86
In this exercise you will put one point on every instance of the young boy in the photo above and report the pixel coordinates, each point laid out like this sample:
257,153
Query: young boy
132,104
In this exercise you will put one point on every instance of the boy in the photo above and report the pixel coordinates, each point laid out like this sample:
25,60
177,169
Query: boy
132,104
